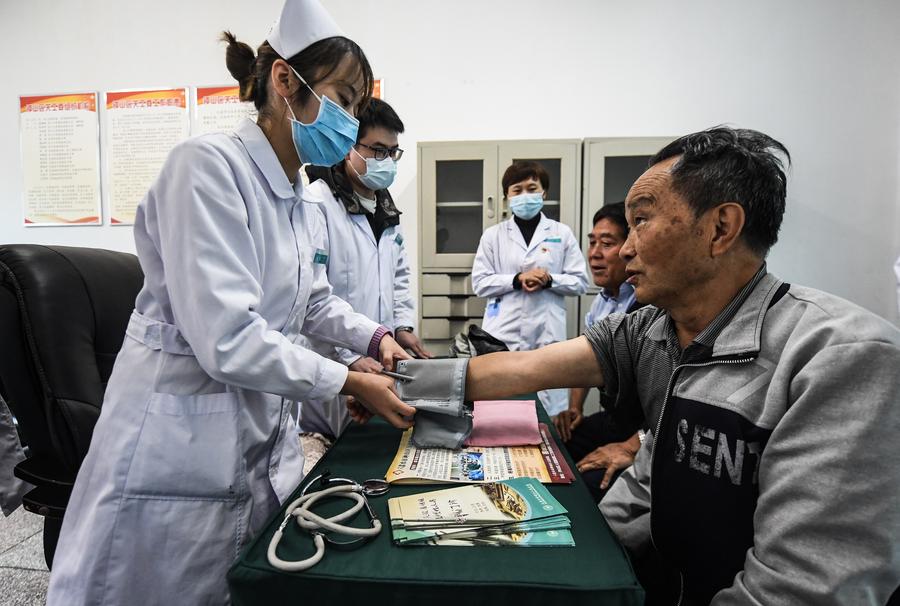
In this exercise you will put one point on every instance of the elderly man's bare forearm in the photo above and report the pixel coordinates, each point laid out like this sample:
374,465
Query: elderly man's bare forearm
568,364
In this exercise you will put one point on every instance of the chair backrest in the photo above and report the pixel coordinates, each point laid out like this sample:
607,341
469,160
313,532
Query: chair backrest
63,314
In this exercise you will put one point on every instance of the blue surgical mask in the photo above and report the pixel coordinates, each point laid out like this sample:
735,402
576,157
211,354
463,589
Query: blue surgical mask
526,206
325,141
379,173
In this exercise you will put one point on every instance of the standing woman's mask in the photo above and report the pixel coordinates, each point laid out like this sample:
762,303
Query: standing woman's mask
526,206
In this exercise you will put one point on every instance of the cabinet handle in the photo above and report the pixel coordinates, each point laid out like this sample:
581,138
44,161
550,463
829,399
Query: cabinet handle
490,207
504,208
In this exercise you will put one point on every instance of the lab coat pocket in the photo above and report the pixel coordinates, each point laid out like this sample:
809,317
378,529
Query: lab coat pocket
173,551
188,448
552,254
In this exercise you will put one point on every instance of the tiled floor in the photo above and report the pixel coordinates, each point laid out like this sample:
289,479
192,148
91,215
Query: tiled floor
23,573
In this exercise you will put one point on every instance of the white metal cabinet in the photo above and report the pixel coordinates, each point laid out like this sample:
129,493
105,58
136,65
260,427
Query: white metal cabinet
461,195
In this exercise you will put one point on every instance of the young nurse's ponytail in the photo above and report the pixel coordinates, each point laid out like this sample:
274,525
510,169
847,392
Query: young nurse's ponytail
241,61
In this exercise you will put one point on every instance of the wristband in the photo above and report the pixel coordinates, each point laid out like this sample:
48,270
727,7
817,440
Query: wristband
375,343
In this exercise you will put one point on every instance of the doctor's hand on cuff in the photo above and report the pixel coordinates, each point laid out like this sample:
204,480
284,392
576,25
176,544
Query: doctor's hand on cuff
389,350
408,340
373,393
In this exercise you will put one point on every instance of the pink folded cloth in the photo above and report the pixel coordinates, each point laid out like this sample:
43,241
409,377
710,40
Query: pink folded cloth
504,423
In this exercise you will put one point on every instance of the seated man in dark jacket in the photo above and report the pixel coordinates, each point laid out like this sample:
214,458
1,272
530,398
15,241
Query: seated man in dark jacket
773,407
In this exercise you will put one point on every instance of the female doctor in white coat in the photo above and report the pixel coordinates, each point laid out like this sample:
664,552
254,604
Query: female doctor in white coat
525,267
195,447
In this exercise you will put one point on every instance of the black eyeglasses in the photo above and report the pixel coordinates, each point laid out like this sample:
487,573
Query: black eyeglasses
394,153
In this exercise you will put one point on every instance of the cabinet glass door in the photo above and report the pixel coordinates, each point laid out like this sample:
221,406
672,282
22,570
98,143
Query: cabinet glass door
458,202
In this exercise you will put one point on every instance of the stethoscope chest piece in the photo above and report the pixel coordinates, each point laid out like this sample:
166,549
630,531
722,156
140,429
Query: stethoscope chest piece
375,487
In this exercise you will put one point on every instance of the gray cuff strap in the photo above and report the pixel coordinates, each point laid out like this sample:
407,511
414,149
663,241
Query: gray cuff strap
433,430
437,392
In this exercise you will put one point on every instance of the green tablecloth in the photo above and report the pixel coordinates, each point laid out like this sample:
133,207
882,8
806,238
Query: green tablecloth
596,571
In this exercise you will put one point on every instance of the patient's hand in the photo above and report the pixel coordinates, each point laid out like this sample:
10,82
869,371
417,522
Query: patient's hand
566,422
611,457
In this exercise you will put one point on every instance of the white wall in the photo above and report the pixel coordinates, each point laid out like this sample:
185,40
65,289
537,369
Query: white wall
821,76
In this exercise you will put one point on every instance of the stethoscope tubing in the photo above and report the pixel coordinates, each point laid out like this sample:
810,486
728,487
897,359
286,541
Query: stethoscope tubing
315,524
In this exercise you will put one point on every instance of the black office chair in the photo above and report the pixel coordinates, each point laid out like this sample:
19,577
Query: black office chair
63,314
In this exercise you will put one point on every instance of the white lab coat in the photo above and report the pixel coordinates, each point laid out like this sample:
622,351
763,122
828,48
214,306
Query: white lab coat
195,447
520,319
373,277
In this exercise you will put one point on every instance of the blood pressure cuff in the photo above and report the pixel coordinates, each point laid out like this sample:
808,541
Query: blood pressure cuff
437,391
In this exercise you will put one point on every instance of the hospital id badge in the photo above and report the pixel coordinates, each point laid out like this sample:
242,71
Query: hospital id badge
321,257
493,308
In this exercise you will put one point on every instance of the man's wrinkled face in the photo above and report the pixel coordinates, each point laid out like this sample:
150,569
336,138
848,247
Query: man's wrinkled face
604,243
667,252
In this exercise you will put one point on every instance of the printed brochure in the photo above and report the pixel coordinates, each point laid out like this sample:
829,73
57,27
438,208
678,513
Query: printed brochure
517,512
476,464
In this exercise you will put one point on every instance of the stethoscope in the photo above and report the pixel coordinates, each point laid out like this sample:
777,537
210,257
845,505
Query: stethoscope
318,526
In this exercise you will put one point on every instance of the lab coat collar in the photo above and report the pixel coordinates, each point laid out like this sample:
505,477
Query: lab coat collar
362,223
515,234
262,154
540,232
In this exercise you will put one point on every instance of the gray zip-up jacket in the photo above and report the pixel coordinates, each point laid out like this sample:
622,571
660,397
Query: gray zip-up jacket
775,460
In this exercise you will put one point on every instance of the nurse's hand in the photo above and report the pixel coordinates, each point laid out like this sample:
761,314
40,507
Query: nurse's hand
390,350
377,393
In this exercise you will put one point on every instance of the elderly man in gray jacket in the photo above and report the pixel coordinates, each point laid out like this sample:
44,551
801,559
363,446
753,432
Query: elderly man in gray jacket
771,474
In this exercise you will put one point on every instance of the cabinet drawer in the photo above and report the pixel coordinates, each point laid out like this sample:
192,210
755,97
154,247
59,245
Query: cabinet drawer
474,307
457,307
439,328
446,284
436,307
435,328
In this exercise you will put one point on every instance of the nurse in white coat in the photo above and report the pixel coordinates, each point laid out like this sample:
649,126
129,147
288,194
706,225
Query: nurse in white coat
367,265
195,447
525,267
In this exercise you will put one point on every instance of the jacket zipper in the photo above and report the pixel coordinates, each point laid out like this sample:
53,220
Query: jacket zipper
659,421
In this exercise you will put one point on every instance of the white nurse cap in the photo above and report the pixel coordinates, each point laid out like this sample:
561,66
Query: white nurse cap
302,23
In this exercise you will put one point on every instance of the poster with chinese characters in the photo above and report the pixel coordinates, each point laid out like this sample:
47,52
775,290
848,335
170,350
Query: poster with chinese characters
142,127
60,145
218,108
